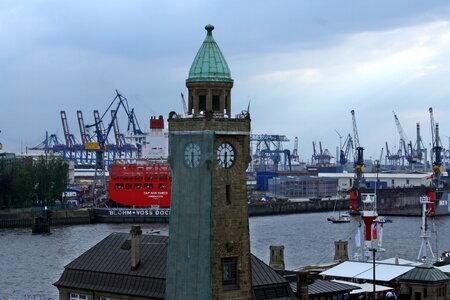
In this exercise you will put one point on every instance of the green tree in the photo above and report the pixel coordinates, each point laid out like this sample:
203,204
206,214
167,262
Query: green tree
28,181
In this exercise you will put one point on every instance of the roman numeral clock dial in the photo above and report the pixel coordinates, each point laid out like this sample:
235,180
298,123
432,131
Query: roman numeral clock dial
225,155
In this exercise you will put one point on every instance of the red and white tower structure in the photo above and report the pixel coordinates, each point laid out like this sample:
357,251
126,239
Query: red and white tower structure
369,214
425,252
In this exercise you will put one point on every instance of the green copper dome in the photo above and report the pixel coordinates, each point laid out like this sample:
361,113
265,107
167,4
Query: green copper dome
209,64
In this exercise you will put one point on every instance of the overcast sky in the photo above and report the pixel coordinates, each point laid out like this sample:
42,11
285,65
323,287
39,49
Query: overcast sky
304,65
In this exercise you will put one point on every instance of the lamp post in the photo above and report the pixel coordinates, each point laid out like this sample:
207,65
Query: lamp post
373,260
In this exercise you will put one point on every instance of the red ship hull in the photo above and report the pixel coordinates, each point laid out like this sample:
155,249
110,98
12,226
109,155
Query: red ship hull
140,184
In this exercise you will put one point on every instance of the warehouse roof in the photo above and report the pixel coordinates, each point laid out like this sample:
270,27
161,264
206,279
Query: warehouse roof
363,270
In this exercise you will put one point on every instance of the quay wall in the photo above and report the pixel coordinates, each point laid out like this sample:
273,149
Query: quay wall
24,218
278,208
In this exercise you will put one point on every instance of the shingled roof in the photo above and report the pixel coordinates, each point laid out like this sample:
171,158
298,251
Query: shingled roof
106,267
425,274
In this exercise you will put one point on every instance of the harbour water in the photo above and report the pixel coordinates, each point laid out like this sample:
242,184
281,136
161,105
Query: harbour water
31,263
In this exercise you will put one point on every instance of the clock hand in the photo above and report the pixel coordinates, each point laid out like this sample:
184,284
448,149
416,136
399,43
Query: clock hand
225,159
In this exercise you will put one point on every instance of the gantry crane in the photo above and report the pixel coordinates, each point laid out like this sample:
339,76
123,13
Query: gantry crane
394,158
269,151
51,143
70,138
419,148
74,149
85,136
323,157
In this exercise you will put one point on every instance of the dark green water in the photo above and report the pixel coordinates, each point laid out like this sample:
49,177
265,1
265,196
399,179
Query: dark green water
31,263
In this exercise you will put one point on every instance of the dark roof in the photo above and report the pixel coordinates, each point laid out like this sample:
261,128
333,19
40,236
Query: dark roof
262,274
109,267
320,286
106,267
425,274
113,283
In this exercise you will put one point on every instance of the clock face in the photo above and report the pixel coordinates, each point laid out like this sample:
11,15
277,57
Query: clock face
225,155
192,155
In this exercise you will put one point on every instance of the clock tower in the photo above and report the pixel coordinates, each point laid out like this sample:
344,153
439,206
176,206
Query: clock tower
209,151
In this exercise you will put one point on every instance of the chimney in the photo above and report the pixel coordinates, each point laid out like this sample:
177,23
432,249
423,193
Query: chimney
302,285
135,246
340,250
277,257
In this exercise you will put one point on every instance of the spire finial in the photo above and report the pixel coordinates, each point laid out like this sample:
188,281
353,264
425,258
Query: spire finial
209,28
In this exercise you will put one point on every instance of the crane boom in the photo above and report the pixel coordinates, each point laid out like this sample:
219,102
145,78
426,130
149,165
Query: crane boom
348,143
358,163
85,138
404,142
400,130
355,130
294,155
70,139
116,129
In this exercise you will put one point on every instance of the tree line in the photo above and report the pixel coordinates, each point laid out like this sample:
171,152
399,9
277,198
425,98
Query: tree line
27,181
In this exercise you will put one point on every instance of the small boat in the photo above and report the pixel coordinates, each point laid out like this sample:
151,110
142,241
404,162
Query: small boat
344,218
315,199
381,219
443,260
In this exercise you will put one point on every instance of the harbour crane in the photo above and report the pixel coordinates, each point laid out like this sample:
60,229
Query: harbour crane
323,157
74,149
358,164
119,137
378,163
135,134
133,124
436,153
269,150
294,155
405,143
102,137
394,158
51,143
345,150
85,137
419,148
69,137
359,154
122,147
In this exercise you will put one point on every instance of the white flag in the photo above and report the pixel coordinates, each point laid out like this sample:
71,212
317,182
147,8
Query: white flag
358,238
380,236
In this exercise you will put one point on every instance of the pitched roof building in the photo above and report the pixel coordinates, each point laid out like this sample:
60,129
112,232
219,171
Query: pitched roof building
105,272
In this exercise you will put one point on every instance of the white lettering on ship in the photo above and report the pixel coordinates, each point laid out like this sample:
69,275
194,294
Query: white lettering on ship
139,212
